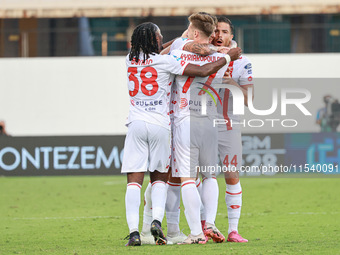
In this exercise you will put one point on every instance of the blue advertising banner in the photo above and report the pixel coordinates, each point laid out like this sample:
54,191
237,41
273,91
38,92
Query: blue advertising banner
61,155
263,154
313,152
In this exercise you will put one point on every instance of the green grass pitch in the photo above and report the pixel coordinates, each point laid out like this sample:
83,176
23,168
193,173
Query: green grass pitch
86,215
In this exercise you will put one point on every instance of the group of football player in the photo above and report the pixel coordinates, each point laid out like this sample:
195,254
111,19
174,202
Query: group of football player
174,100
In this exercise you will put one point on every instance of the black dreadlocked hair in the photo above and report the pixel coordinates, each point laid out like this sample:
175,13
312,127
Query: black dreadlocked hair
144,40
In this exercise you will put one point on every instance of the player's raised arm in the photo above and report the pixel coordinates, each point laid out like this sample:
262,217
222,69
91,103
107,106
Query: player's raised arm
243,88
243,83
208,69
168,44
166,50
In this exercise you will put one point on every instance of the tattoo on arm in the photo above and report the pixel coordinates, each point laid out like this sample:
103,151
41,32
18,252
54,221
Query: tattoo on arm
200,48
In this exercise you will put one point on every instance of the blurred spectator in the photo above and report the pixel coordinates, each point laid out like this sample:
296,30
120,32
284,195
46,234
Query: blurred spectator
85,39
328,117
3,128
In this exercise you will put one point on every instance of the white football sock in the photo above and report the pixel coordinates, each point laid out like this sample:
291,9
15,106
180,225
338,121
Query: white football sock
210,199
172,209
158,198
233,198
132,203
192,203
200,190
147,214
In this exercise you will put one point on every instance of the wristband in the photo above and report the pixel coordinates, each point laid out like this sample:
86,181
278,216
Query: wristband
227,58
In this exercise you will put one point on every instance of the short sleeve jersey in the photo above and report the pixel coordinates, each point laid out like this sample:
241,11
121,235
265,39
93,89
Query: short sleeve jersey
188,97
179,43
241,72
149,85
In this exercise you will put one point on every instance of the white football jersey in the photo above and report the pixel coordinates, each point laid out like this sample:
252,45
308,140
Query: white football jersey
149,87
241,72
179,43
188,97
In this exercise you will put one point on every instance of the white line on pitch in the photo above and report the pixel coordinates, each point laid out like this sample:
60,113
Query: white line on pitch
312,213
69,218
291,213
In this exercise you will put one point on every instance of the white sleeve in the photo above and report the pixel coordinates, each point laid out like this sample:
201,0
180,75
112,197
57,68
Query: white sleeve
175,64
246,76
179,43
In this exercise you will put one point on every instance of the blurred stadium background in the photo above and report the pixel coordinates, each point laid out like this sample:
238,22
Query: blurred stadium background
62,70
35,28
64,99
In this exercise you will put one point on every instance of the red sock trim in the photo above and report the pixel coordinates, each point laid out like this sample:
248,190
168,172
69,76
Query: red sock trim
157,182
188,183
233,193
197,185
134,184
174,184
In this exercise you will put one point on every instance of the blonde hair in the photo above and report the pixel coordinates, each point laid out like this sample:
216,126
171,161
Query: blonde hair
204,22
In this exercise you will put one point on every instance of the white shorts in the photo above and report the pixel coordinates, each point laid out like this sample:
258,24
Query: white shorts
230,148
181,149
147,147
194,145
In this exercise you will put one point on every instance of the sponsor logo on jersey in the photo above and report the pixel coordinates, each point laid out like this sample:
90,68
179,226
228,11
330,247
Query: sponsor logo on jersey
250,71
250,78
133,102
149,103
247,66
184,103
199,103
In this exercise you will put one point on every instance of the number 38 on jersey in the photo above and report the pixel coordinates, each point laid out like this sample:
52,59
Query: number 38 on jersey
148,75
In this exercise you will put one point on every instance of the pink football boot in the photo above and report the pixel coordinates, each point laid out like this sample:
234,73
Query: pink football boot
236,237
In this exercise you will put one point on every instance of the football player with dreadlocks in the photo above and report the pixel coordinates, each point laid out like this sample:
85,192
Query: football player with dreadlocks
147,144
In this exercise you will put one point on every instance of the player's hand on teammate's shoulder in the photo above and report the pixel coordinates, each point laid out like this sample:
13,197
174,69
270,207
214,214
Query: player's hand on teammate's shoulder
227,74
235,53
222,49
227,77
